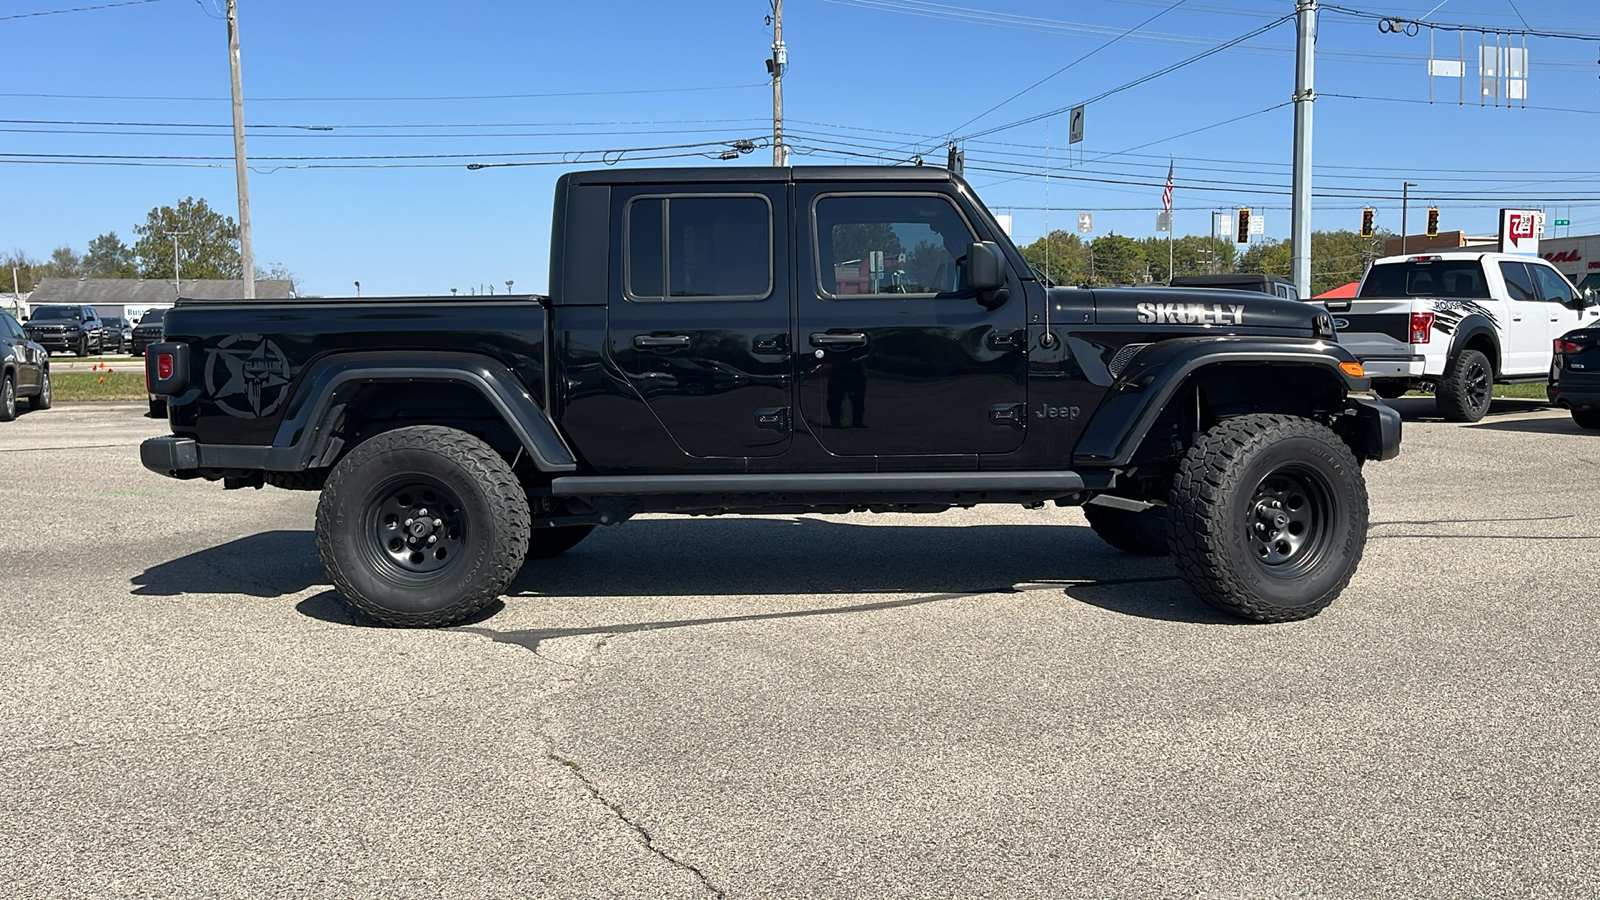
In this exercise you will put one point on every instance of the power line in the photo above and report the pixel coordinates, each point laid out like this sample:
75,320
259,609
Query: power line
726,87
58,12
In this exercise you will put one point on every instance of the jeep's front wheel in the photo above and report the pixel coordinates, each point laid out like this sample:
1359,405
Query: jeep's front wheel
1268,517
422,526
1141,532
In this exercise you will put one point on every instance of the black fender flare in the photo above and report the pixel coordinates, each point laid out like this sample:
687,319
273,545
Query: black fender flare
304,440
1154,376
1471,327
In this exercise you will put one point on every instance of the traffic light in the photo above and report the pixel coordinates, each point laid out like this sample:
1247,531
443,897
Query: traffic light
1242,236
1367,216
1433,221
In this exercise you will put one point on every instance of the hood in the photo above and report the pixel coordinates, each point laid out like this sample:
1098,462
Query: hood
1209,307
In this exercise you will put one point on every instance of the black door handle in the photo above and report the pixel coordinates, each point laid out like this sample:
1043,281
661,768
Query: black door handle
661,341
830,339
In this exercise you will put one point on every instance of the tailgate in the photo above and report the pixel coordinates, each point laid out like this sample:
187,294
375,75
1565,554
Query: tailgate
1375,326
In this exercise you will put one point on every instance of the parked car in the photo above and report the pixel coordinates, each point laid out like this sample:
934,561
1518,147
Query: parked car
74,328
1276,285
147,332
1575,375
706,331
1459,321
24,369
118,333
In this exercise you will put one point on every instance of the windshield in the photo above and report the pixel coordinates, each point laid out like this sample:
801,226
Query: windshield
153,317
58,313
1427,278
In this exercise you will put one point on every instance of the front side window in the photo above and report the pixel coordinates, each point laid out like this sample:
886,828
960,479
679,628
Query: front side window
699,248
9,327
890,244
1552,284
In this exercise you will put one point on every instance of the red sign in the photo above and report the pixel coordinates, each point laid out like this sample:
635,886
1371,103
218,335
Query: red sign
1564,256
1519,227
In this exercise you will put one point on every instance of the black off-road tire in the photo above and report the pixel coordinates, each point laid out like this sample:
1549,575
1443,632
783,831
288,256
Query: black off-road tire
1390,390
1142,533
43,399
373,521
1587,418
1267,517
543,543
83,347
8,397
1467,388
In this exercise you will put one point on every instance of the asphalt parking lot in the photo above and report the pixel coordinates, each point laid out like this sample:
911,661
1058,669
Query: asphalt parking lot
986,703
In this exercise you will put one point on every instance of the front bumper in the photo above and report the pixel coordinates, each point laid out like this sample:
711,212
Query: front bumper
1371,428
57,341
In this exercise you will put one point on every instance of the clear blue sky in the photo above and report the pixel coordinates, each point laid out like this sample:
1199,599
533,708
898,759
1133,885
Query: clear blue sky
873,77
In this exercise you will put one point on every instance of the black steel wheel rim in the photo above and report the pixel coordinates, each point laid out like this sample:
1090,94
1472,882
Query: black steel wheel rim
413,529
1478,385
1289,520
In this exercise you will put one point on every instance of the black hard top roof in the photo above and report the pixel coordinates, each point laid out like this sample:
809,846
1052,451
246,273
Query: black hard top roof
759,174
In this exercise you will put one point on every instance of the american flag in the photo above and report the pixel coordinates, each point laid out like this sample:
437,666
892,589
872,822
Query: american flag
1166,195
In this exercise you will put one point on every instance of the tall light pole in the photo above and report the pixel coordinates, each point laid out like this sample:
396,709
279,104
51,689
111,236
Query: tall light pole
241,173
177,275
776,65
1304,96
1405,207
358,289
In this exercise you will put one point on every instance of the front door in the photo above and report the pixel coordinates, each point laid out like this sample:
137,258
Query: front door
700,325
895,356
1527,346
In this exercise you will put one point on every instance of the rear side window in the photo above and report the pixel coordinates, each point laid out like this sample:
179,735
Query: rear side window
1519,284
699,247
1438,278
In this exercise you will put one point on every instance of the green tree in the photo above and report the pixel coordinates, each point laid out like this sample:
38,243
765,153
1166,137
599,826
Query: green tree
64,263
109,257
210,249
1268,257
855,241
1191,255
1059,256
1116,259
26,270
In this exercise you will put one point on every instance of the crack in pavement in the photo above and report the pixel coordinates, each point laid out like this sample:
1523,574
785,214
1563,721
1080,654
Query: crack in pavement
643,833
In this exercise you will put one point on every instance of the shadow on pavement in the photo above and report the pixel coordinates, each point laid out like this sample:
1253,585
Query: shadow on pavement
270,564
1541,425
1424,409
656,559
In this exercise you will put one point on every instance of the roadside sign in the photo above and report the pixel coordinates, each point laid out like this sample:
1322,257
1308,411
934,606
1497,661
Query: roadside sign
1562,222
1075,126
1085,222
1163,221
1258,224
1520,230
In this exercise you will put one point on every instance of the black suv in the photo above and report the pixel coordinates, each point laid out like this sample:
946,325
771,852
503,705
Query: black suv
24,370
118,334
1575,376
74,328
147,332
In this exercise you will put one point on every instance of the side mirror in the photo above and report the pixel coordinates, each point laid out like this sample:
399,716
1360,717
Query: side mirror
986,266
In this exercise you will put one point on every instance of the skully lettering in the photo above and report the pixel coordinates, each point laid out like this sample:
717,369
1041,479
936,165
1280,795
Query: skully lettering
1190,314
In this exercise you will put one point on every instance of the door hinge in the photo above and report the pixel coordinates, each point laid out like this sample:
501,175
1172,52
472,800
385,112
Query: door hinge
1012,414
775,418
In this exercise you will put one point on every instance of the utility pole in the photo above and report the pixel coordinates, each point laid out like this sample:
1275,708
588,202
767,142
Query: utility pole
240,171
1304,96
776,65
1405,207
177,276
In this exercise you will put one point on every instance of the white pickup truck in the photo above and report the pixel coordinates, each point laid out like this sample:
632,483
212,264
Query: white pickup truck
1458,322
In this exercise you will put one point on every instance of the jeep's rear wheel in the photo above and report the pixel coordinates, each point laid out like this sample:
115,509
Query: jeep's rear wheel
1268,517
1141,533
543,543
422,526
1466,388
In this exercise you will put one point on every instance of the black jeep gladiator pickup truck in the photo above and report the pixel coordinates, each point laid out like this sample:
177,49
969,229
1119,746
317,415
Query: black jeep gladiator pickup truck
766,340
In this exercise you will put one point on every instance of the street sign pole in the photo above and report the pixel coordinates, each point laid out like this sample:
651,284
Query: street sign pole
1304,96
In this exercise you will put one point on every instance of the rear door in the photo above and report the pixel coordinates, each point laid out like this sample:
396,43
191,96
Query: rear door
700,322
895,357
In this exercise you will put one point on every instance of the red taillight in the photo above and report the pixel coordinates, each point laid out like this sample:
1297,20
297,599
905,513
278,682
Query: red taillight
1567,347
1421,327
164,366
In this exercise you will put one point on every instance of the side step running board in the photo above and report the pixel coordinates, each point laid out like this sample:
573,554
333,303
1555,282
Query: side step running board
834,483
